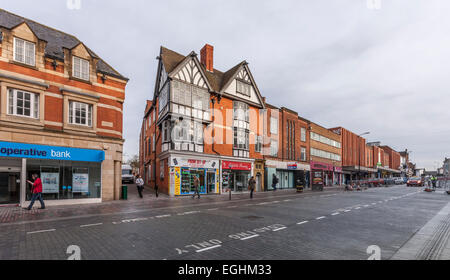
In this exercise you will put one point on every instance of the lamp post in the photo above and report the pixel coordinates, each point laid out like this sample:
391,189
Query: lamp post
359,154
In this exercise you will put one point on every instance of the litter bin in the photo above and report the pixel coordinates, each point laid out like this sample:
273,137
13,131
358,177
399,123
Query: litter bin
124,192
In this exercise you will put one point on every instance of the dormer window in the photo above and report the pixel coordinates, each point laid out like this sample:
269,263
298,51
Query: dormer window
80,68
24,52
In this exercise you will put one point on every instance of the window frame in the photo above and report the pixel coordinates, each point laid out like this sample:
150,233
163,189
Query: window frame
81,77
89,110
34,103
273,121
24,53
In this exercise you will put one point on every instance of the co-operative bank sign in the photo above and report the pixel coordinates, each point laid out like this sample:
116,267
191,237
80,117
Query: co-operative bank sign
19,150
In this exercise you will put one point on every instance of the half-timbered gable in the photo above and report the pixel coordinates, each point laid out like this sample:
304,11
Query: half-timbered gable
241,85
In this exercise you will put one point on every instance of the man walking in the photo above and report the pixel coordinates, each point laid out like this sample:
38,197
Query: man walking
196,186
251,186
36,191
140,185
274,182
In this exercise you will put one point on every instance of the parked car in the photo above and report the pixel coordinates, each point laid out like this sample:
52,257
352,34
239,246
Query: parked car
399,181
389,181
415,182
127,174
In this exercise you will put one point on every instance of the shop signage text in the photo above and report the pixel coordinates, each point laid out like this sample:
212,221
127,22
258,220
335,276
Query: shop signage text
233,165
19,150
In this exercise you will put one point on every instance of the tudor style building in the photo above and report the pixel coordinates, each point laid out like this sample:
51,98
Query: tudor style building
60,116
202,122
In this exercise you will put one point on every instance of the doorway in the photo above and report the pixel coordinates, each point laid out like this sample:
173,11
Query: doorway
9,187
211,180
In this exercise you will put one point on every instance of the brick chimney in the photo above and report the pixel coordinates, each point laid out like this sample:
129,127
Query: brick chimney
207,57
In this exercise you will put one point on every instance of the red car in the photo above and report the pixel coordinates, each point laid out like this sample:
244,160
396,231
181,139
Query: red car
415,182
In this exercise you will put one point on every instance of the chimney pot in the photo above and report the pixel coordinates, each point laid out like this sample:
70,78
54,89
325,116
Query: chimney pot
207,57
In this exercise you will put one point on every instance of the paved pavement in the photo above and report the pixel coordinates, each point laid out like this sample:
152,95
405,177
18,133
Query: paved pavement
281,225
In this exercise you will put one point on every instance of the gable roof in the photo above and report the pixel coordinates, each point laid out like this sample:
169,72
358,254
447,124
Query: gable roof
56,40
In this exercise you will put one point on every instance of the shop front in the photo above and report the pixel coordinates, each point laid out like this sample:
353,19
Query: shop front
235,175
289,174
67,174
325,170
183,171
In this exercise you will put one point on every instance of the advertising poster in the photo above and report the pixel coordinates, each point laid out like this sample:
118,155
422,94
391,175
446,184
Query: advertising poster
50,182
80,183
177,181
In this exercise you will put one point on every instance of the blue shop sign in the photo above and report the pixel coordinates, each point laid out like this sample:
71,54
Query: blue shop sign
19,150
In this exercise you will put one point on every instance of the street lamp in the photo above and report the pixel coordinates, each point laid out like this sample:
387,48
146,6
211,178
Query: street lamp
359,154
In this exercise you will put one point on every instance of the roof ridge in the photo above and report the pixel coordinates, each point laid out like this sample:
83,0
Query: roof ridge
46,26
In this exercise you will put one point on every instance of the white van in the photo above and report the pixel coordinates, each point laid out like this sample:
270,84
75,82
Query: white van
127,174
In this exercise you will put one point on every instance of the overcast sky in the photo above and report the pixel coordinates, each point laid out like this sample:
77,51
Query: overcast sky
337,63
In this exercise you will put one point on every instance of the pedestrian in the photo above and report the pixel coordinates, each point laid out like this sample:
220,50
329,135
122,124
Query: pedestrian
156,190
140,185
251,186
196,187
274,182
36,192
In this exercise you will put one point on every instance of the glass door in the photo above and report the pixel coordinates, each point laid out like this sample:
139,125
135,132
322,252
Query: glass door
211,181
9,187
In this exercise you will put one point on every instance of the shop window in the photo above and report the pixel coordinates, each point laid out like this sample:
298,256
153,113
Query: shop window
24,52
22,103
80,68
161,169
62,180
80,113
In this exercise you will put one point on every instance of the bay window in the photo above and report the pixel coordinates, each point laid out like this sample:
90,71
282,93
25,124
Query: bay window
22,103
241,128
24,52
80,113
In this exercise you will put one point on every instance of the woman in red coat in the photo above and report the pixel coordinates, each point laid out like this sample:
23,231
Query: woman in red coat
36,191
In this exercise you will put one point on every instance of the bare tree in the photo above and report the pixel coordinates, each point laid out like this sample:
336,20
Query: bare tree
134,162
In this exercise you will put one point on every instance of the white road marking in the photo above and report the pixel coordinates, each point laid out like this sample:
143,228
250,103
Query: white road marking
213,209
335,214
357,208
210,248
250,237
232,207
302,223
346,211
321,218
278,229
163,216
366,205
41,231
91,225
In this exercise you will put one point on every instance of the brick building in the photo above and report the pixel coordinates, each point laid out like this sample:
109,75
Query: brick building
385,160
203,122
287,156
325,156
60,116
356,156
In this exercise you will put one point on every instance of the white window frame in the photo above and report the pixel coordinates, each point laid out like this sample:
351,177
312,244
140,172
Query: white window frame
89,110
258,144
303,154
34,103
243,88
303,134
274,148
273,125
22,56
83,75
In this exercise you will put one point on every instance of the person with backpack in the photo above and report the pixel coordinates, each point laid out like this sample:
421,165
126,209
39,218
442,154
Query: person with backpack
140,185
